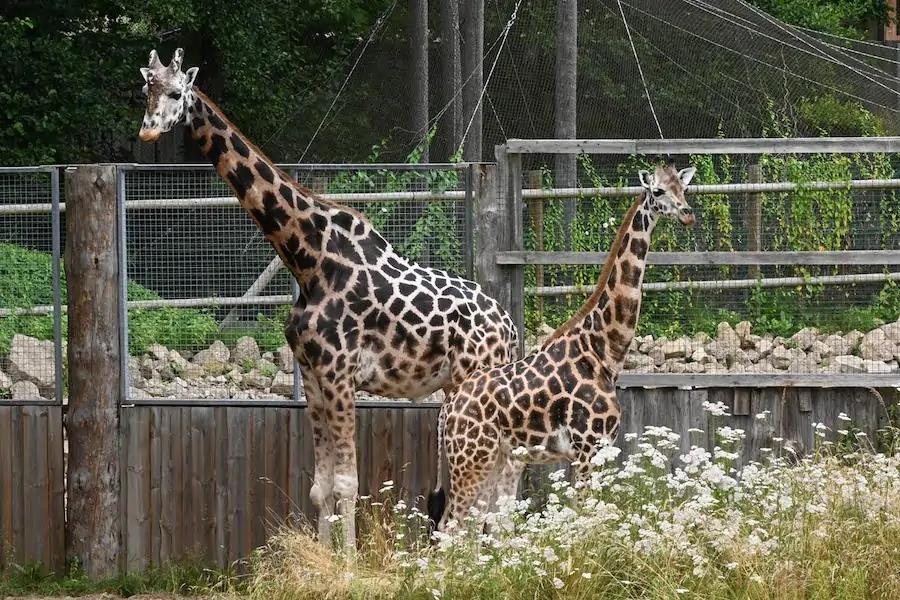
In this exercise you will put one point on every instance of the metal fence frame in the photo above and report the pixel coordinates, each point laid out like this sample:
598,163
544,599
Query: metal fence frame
54,208
466,171
515,258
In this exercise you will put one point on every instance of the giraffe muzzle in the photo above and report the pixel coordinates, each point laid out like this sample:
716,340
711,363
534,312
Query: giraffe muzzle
148,135
686,216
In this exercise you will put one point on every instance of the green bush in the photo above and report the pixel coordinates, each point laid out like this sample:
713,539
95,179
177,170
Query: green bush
26,281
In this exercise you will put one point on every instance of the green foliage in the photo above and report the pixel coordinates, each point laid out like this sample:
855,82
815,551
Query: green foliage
848,18
186,579
71,87
26,281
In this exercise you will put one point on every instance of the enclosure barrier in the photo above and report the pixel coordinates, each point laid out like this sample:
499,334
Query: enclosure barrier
211,477
511,258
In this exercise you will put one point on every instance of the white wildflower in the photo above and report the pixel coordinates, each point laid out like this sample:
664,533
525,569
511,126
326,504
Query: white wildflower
717,409
843,417
558,583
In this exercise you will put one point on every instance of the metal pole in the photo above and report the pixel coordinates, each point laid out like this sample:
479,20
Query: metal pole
123,286
57,290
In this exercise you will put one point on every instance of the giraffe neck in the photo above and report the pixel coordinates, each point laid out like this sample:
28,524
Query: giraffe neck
289,218
609,317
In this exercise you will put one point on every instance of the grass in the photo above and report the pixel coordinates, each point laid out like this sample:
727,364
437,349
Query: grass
657,525
182,580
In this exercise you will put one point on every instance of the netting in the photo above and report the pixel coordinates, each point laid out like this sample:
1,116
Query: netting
27,350
722,68
208,304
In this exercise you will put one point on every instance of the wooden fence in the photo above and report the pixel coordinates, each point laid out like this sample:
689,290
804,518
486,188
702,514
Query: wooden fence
32,486
211,483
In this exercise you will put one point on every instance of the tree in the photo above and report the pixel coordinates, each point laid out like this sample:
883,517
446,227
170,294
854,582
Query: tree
849,18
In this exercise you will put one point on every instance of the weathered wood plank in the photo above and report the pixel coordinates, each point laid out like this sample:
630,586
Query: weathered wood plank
223,501
202,482
137,489
186,522
836,145
18,490
156,468
838,257
238,483
57,490
776,380
36,487
6,487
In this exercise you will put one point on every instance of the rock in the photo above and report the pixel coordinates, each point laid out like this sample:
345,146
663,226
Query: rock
5,381
892,331
545,330
700,356
701,337
192,371
781,357
839,345
158,351
634,360
719,350
214,367
742,329
675,366
849,364
32,360
804,338
694,367
877,366
875,345
764,346
216,353
136,393
245,350
821,349
255,379
286,359
740,357
269,356
25,390
727,335
658,356
283,384
675,348
853,338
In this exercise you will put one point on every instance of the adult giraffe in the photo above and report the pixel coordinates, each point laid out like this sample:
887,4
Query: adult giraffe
560,402
367,319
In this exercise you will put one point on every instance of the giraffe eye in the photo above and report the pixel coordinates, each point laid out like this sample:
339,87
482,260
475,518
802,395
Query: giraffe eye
658,193
175,95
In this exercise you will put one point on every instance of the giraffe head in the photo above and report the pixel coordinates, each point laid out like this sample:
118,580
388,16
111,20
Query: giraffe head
168,90
665,192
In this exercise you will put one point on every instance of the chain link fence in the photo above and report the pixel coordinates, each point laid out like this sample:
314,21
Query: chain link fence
207,296
31,291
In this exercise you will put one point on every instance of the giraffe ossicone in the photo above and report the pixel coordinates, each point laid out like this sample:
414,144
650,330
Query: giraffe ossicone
558,404
366,319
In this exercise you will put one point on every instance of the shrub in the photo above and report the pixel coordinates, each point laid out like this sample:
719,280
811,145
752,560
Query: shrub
26,281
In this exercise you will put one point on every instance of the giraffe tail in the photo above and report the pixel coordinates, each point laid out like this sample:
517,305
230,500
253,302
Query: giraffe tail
437,499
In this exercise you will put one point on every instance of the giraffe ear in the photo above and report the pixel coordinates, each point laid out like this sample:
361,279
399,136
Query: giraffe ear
191,76
685,175
646,178
154,60
145,73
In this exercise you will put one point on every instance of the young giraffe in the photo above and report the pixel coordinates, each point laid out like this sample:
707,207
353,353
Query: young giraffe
559,403
367,319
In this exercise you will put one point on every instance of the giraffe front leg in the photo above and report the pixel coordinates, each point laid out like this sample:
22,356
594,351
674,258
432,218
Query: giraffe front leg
322,492
341,417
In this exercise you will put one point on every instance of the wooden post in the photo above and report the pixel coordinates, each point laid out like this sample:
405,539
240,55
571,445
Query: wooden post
565,105
418,12
472,21
516,242
491,232
754,217
92,266
451,74
536,208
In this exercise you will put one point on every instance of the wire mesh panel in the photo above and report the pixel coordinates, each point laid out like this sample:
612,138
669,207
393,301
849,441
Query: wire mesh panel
31,369
813,309
207,296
